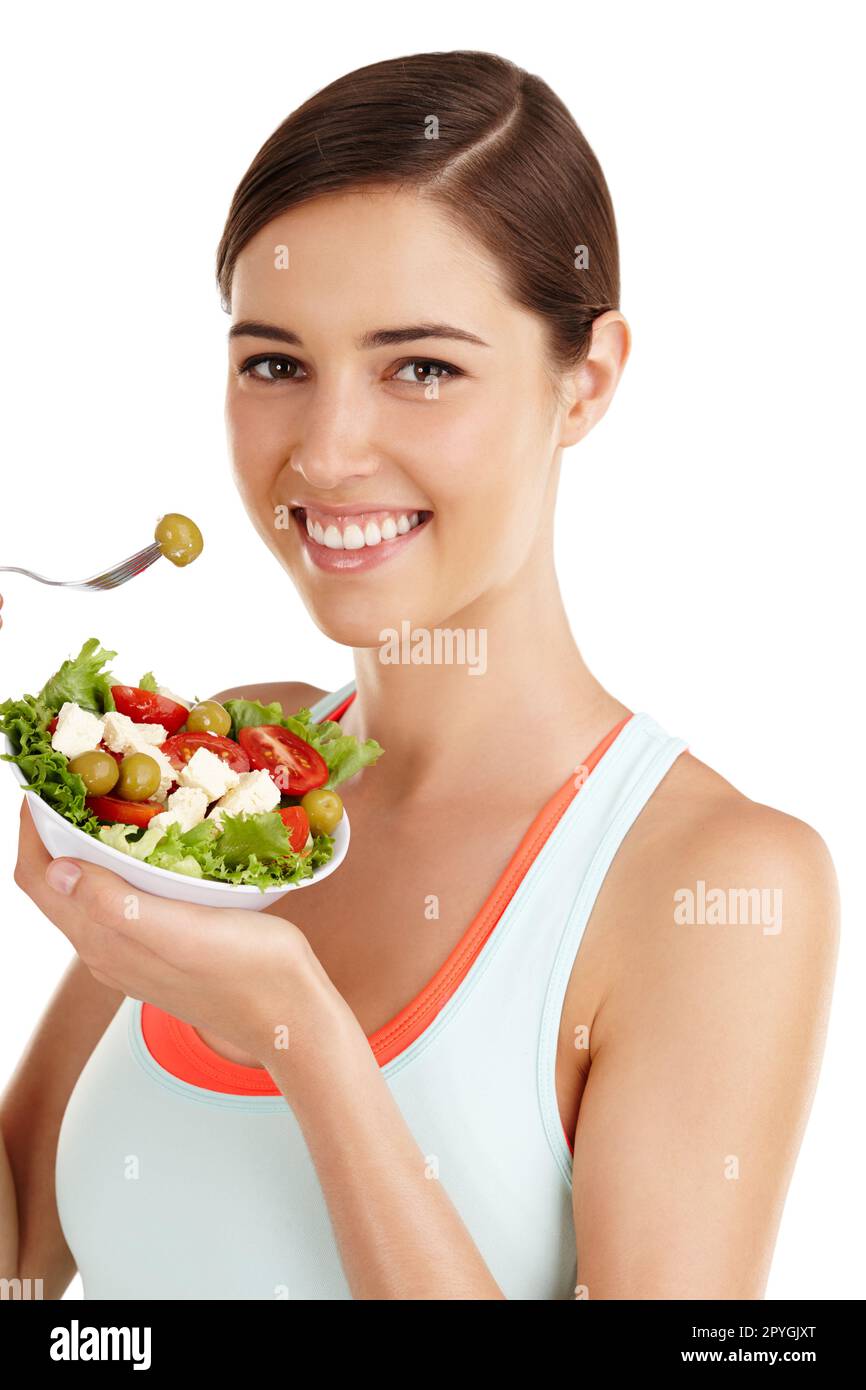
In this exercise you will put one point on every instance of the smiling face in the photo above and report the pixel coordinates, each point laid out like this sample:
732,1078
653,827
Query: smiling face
347,415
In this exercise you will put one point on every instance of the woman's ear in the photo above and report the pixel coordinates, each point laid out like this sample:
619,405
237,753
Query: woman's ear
592,384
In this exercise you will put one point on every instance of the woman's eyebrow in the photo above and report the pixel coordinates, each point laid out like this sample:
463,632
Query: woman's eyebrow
379,337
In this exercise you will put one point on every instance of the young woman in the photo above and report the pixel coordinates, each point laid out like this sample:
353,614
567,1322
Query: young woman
524,1061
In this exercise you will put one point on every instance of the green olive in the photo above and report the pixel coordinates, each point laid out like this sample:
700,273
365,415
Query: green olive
209,717
139,777
98,771
179,538
324,811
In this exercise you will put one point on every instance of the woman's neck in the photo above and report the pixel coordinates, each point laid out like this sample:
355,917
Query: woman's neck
497,697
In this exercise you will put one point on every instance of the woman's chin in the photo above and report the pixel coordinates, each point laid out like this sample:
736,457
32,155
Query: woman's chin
358,613
356,623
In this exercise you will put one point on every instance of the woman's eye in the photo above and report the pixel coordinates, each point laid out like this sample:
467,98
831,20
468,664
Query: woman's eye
279,369
424,370
270,368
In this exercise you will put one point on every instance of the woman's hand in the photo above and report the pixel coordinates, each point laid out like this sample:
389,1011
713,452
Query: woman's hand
250,977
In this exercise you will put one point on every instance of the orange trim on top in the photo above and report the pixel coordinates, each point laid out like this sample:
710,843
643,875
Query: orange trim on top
391,1039
338,713
179,1050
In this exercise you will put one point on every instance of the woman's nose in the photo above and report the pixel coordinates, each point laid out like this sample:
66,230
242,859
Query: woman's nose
333,445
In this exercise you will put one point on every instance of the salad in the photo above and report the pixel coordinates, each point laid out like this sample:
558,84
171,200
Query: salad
238,792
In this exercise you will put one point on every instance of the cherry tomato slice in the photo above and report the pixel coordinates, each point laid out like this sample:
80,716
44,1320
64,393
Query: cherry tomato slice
53,725
130,812
146,707
181,748
295,820
294,764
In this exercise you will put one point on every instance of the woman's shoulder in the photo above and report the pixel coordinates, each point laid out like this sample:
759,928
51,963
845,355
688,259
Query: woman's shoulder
709,877
698,818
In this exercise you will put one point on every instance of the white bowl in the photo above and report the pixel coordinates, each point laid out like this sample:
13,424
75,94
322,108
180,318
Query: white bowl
61,838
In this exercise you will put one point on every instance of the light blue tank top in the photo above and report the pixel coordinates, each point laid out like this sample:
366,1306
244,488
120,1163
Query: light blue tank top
167,1190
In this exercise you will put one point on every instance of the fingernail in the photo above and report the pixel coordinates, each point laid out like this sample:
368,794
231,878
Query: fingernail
62,875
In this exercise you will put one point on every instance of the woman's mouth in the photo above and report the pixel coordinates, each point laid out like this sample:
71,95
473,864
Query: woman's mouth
357,540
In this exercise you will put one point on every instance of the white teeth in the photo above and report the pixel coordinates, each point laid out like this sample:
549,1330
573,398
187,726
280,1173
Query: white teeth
354,537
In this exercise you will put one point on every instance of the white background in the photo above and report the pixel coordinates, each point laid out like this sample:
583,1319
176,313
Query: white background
709,531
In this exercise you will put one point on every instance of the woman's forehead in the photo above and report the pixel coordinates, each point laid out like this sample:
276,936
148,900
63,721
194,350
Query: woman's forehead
369,262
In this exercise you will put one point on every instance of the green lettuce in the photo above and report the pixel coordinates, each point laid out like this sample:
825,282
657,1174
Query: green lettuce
80,679
117,836
250,849
343,753
148,682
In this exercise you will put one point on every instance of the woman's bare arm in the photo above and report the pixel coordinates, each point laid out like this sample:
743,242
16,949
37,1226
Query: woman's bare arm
32,1244
705,1057
398,1233
31,1240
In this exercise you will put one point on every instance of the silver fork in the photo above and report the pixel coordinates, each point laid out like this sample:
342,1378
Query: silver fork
107,579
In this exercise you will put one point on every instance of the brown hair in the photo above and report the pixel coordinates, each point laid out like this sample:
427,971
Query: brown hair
507,161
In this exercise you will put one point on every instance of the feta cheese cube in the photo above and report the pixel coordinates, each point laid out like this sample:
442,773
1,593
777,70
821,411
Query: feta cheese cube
255,792
187,806
149,733
210,773
170,695
116,731
78,731
122,735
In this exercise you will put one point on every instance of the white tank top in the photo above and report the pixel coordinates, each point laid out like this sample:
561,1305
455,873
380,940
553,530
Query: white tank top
169,1189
